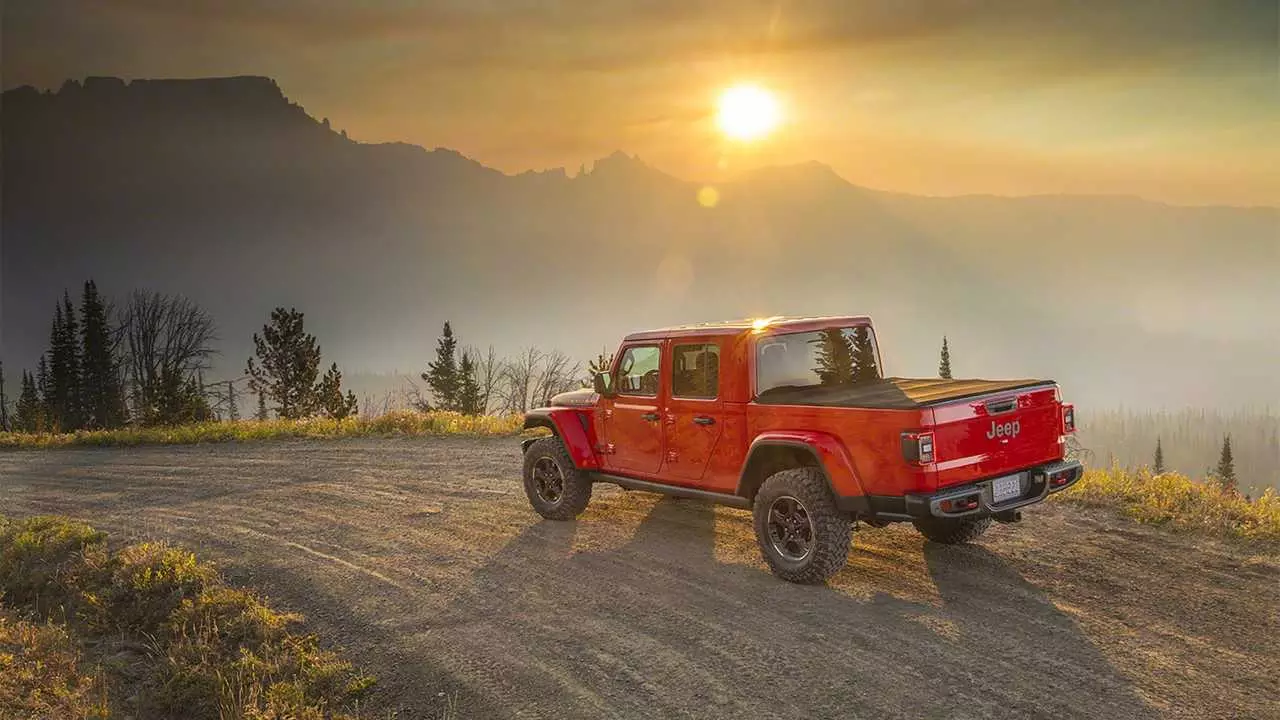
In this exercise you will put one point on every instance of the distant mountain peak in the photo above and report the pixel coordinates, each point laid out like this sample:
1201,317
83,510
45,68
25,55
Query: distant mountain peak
99,85
810,171
618,164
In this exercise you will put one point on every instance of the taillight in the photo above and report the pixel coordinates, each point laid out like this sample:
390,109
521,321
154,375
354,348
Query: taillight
918,447
1068,418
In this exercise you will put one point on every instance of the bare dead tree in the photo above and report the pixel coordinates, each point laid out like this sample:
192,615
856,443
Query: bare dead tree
556,375
415,398
488,375
167,340
518,377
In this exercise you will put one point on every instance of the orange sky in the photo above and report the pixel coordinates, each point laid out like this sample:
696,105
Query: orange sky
1176,101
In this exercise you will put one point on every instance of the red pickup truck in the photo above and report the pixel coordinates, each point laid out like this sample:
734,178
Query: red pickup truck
793,419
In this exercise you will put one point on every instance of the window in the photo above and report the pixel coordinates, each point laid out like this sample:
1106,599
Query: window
695,371
638,371
836,356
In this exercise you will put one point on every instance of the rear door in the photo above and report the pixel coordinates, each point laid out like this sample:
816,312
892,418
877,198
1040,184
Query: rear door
978,438
632,419
693,418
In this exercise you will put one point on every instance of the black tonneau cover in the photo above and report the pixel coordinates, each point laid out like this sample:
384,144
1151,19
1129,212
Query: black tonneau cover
890,393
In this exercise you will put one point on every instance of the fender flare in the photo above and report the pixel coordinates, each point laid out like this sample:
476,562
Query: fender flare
572,426
829,455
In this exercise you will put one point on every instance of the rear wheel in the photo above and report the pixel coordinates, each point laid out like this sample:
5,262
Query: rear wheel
557,490
802,535
952,531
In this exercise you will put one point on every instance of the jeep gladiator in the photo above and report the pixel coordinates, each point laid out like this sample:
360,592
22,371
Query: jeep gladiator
793,419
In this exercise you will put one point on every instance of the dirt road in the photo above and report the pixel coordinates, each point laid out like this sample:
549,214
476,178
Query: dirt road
422,559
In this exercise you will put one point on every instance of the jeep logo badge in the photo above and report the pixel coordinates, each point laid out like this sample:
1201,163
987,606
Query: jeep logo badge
1007,430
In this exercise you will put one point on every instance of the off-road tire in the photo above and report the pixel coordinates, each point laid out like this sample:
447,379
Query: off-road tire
576,492
830,528
952,531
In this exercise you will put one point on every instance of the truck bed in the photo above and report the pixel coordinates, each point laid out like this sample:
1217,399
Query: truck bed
891,393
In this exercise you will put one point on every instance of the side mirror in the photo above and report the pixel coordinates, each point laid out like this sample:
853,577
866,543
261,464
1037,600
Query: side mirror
603,384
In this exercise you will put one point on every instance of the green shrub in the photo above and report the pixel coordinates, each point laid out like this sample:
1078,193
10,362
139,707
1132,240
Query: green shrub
43,560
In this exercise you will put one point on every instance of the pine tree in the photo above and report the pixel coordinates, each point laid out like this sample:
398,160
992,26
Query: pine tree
61,392
1226,470
100,377
4,403
289,360
44,393
834,356
864,356
52,382
1158,465
29,413
261,415
442,375
469,402
944,365
73,410
602,364
329,397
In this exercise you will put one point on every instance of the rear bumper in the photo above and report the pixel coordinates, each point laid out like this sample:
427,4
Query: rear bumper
977,499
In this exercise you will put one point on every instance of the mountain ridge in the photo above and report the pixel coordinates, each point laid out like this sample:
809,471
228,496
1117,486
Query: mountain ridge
265,88
227,191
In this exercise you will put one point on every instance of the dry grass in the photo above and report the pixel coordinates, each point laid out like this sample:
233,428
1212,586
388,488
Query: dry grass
181,642
41,674
1177,501
396,423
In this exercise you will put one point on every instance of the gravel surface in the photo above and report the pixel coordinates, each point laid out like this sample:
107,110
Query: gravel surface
422,559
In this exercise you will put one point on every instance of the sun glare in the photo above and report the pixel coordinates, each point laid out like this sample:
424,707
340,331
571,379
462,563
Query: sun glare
747,112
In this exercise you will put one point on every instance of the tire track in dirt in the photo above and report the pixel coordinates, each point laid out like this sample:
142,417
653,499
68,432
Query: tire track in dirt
422,558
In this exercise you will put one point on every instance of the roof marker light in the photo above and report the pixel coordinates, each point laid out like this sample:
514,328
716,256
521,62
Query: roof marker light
759,324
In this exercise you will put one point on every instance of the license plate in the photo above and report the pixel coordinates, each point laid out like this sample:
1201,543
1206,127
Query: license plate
1006,488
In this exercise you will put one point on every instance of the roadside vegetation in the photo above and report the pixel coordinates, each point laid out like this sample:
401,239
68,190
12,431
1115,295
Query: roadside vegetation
406,423
1176,501
1189,441
149,631
143,363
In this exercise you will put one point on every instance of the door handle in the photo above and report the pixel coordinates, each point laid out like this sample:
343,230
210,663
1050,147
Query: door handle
704,420
651,417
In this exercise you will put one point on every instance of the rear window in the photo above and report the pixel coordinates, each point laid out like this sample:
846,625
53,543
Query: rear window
833,357
696,371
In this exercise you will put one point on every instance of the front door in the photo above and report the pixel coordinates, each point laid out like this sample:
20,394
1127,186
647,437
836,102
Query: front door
632,423
693,419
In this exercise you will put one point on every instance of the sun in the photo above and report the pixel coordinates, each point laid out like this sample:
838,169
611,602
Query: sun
747,112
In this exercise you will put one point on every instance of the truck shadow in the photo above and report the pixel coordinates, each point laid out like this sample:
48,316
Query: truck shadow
1010,639
658,626
554,624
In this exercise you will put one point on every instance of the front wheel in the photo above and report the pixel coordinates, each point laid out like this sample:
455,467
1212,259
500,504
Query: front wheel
952,531
803,536
556,488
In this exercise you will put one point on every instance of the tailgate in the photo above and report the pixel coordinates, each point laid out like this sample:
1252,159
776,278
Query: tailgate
996,434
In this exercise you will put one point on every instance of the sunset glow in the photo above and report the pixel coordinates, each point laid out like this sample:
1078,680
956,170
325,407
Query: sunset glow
747,112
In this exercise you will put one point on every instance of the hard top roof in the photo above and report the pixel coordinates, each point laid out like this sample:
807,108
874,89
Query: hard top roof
760,325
